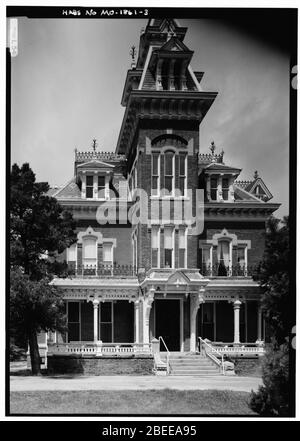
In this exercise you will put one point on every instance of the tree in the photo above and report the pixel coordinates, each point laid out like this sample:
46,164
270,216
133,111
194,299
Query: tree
39,231
35,306
272,399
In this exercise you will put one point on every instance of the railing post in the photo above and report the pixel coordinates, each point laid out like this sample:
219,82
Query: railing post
155,346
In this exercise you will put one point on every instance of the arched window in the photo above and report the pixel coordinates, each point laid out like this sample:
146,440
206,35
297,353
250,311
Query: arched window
169,172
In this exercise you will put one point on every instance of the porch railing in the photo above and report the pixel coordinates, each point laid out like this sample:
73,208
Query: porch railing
220,270
168,353
255,349
99,349
213,354
100,270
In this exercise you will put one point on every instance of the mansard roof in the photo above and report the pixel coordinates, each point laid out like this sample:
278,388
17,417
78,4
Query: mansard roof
68,191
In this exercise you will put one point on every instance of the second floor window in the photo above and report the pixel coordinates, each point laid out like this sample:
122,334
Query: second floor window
155,247
107,254
89,186
89,252
168,247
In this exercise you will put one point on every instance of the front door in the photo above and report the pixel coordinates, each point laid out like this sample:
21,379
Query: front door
167,323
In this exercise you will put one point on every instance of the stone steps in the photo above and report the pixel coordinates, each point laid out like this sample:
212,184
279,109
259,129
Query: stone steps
191,364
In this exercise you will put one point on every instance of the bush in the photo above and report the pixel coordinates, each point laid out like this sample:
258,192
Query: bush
272,399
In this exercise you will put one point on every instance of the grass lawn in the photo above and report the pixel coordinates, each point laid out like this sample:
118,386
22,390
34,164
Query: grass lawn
163,402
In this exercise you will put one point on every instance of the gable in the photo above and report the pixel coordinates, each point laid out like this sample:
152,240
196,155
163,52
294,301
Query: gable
178,278
95,164
174,44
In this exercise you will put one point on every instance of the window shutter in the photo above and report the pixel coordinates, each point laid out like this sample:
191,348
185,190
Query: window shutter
72,253
107,252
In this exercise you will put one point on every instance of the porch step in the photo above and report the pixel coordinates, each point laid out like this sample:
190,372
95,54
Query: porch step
191,364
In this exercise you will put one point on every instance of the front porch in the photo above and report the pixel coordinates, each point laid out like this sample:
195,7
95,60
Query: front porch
114,318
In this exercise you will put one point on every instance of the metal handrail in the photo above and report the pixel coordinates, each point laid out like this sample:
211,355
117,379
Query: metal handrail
213,357
168,353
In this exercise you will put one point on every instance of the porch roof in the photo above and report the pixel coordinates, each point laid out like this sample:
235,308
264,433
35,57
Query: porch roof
97,282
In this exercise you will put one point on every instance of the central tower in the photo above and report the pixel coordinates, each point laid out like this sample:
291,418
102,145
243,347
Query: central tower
160,138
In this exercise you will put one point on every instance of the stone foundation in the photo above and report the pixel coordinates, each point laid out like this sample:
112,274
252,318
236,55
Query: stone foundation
66,364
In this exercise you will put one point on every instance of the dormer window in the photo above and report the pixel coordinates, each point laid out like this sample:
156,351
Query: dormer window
89,186
101,187
225,188
213,188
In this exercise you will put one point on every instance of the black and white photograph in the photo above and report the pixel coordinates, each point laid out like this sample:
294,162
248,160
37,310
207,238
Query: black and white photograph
151,214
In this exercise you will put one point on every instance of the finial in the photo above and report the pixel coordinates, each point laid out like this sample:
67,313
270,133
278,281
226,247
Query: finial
94,145
132,52
212,147
255,174
170,29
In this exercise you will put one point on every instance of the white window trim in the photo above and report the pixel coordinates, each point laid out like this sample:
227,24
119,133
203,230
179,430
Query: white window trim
185,248
185,172
158,248
158,174
172,194
173,245
68,251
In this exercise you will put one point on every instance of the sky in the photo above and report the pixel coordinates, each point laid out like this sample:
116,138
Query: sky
68,78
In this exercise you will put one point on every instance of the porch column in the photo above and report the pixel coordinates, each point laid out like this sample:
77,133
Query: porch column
195,300
236,307
96,324
147,305
136,320
259,315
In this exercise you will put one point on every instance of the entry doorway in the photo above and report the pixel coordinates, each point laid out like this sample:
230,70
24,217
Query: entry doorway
167,323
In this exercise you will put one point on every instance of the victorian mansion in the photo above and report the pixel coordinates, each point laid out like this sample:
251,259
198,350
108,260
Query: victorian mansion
165,278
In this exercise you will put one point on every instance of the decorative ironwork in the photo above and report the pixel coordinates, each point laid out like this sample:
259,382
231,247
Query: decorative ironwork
220,270
100,270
